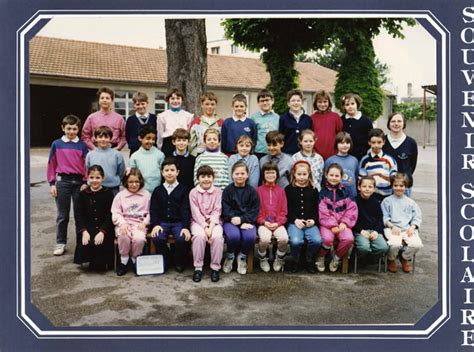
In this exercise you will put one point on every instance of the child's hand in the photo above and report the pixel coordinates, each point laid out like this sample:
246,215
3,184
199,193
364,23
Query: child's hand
156,231
246,226
142,226
99,238
53,191
300,223
411,230
186,234
236,221
396,231
373,235
85,238
208,232
335,230
83,187
366,234
342,227
123,229
310,222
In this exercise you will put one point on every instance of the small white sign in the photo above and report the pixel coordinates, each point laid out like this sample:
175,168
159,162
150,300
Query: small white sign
150,264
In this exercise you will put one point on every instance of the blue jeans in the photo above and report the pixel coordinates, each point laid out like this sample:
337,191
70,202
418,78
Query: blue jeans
162,239
297,237
67,188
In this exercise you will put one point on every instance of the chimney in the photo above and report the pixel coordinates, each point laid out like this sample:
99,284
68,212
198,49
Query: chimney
409,90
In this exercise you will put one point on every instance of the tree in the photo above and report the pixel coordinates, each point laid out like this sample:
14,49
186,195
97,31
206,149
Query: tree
276,37
186,52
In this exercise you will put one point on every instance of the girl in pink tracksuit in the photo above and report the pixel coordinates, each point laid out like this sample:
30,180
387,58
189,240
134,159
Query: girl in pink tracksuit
337,216
272,217
131,216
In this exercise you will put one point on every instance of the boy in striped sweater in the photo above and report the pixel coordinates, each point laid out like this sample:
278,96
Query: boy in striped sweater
66,175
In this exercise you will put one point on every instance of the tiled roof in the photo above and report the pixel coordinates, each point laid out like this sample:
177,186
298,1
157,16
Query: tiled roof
97,61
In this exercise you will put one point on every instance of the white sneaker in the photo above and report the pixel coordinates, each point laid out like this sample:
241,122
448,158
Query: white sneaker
334,265
320,264
264,265
241,265
278,263
227,267
59,249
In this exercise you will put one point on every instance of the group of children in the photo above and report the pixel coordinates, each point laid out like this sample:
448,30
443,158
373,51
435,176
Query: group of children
198,180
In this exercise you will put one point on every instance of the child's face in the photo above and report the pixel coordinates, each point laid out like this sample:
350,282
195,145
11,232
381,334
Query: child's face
343,147
366,188
376,144
350,106
322,104
175,101
206,181
295,103
396,124
240,176
302,175
94,180
133,183
270,176
334,177
70,131
208,107
140,107
398,187
239,109
103,141
265,104
307,143
212,141
181,144
244,148
147,141
274,149
105,101
170,173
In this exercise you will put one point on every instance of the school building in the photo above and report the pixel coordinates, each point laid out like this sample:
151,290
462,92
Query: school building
65,75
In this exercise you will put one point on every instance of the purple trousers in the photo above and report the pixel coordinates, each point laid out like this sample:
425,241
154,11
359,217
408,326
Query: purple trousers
235,235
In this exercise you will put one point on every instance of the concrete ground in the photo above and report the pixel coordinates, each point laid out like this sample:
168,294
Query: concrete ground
70,296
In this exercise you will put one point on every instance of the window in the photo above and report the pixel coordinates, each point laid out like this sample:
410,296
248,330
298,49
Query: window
160,103
123,103
216,50
234,49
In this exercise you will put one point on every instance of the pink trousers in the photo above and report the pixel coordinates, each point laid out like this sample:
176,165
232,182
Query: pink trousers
199,241
132,243
346,240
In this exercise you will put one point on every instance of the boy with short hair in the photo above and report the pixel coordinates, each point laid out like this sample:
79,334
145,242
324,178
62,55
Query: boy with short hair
275,143
369,228
294,121
266,120
106,116
110,159
66,174
378,164
402,219
237,125
185,160
148,158
141,118
170,214
199,125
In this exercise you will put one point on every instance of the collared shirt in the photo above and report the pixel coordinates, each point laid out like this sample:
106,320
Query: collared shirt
356,116
396,142
373,155
144,116
237,119
184,155
66,140
170,187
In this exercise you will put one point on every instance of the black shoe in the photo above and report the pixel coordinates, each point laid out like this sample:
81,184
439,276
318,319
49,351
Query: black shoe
214,275
197,275
292,265
179,268
122,269
310,267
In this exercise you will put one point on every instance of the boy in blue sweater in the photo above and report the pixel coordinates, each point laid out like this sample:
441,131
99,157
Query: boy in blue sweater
294,121
136,121
369,228
237,125
109,158
170,214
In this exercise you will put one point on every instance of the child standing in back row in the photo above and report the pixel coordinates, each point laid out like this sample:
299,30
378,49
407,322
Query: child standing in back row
135,122
66,175
326,124
168,121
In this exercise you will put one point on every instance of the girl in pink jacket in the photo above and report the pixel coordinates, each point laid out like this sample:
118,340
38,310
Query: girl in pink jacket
271,218
337,216
131,215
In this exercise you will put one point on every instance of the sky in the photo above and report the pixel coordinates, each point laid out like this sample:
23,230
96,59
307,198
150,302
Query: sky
411,60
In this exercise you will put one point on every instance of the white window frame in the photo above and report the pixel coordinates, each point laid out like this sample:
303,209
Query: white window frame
129,108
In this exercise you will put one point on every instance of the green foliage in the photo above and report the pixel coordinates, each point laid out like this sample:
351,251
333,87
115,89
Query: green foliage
414,111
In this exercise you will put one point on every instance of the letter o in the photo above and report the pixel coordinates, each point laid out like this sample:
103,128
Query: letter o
463,35
461,232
